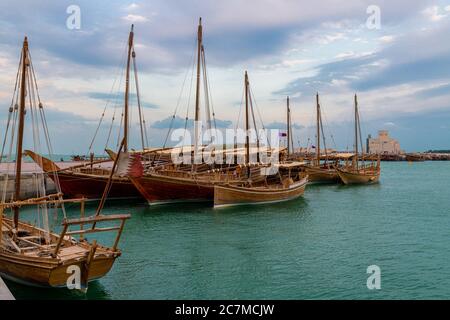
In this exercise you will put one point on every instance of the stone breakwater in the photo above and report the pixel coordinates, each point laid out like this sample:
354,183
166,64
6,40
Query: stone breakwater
419,156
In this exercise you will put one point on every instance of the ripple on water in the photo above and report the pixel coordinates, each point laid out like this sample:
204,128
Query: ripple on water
317,247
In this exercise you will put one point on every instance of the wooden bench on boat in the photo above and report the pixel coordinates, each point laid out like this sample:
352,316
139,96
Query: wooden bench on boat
66,234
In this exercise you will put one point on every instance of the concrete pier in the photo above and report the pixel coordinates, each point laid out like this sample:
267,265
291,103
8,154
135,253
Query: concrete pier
5,294
30,173
28,186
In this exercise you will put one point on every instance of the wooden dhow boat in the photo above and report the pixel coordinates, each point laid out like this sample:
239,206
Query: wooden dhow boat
321,172
279,188
88,180
188,182
34,255
265,187
355,172
172,183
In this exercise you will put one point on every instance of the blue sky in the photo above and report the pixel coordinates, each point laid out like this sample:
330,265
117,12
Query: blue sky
400,71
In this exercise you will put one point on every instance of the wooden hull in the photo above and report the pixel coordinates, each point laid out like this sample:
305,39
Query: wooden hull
78,185
322,175
159,189
353,177
228,195
48,271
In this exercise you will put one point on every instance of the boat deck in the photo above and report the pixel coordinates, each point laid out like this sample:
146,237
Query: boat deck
72,252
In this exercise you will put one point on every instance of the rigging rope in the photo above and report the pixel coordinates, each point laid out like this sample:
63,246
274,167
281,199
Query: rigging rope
46,134
138,97
191,63
206,93
119,69
210,100
260,118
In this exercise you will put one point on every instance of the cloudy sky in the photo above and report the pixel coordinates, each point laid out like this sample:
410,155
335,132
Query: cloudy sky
401,70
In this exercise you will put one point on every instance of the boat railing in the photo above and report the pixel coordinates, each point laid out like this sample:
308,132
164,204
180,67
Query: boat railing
30,240
49,199
92,220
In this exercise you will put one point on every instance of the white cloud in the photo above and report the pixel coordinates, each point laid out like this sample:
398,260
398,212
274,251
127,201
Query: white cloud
337,24
132,7
135,18
296,62
331,38
338,83
3,62
433,13
345,55
387,39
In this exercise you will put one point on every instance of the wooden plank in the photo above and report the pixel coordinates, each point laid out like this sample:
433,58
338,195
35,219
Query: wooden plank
32,202
5,294
82,216
71,233
98,218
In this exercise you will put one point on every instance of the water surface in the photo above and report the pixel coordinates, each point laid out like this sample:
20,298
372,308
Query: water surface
317,247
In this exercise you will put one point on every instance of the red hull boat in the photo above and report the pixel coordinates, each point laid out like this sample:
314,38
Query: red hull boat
159,189
91,187
85,181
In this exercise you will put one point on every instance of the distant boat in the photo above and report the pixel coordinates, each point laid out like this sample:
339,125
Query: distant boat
92,158
275,190
286,184
414,157
356,172
323,172
33,255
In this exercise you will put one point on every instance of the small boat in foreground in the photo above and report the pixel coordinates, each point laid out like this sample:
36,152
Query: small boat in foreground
33,254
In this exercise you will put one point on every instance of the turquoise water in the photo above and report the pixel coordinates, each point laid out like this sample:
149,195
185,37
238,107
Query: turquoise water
318,247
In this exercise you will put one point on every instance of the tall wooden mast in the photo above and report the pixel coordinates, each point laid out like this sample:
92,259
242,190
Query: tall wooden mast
25,62
288,122
127,88
197,92
247,127
318,129
356,131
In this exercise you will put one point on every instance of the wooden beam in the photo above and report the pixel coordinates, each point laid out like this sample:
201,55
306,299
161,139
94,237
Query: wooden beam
71,233
60,240
87,265
99,218
82,217
21,126
1,225
119,234
29,203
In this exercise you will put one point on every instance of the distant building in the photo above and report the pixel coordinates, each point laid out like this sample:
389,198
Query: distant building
383,144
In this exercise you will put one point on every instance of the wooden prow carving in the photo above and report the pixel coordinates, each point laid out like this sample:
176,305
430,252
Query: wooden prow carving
46,164
111,154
